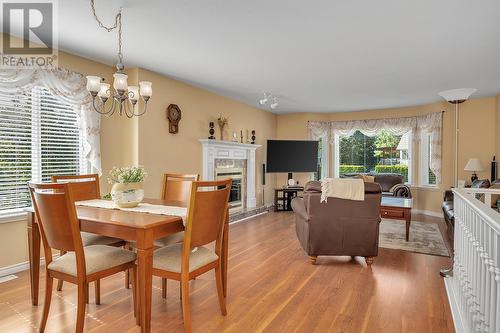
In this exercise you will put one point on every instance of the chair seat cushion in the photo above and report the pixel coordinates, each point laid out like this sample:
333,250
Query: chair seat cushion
178,237
97,258
169,258
89,238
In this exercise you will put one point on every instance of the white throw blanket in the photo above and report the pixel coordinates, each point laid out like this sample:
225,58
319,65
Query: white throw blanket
343,188
142,208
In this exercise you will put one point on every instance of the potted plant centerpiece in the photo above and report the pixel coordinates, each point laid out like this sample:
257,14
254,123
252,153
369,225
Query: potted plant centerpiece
127,190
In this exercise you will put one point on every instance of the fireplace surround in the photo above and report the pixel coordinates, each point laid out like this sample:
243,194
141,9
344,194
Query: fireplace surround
226,159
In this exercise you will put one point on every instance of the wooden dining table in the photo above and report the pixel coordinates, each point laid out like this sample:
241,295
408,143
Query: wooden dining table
141,228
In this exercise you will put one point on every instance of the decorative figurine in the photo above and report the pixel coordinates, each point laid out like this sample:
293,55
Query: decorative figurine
241,136
211,131
253,137
235,137
248,137
222,121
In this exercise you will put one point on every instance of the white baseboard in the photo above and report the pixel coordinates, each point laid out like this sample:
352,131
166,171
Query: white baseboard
22,266
426,212
455,309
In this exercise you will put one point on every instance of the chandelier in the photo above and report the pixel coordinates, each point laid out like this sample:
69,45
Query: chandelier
124,97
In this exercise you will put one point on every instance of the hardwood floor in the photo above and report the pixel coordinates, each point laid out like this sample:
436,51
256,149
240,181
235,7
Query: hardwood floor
272,288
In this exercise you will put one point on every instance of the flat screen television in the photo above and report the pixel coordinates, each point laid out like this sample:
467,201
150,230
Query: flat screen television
292,156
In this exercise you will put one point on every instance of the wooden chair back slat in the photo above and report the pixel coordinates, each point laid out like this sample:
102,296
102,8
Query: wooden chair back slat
177,187
56,215
207,211
86,188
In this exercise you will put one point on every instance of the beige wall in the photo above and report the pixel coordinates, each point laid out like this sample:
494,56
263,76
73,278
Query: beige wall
160,151
497,130
146,140
478,134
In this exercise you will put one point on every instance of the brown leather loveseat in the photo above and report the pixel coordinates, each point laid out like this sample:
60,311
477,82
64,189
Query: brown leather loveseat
339,226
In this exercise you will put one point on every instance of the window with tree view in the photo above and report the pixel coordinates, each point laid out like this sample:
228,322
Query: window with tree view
39,137
383,153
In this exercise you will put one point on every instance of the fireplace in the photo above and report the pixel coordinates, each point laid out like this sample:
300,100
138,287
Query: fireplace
237,194
225,159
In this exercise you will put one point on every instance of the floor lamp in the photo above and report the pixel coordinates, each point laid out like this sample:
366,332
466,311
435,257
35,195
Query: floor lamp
455,97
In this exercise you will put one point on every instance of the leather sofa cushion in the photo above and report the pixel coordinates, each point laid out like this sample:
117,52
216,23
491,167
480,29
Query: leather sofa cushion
315,186
388,180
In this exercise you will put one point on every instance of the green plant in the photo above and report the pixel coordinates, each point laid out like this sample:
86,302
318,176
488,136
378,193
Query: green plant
127,175
398,168
346,168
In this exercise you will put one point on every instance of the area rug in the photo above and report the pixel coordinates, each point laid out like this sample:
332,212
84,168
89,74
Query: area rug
424,237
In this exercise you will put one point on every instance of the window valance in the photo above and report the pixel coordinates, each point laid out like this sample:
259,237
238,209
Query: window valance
68,86
430,124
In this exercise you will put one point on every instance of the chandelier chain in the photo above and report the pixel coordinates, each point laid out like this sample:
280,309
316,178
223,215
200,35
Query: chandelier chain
117,24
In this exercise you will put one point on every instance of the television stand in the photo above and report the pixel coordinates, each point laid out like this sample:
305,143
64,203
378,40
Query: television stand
283,197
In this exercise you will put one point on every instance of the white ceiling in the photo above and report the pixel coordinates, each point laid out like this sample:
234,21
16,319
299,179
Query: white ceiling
316,56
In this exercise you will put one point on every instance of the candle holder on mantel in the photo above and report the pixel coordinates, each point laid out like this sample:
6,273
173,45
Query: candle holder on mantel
253,137
211,131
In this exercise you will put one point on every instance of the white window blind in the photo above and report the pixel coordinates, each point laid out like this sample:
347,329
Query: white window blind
39,137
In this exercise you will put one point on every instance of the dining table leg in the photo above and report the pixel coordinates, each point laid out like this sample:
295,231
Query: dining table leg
225,253
34,256
145,284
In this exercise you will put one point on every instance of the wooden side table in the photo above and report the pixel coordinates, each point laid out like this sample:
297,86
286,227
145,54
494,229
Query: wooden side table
397,209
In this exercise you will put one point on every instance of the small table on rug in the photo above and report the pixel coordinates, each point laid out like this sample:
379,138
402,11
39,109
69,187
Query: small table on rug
397,209
143,228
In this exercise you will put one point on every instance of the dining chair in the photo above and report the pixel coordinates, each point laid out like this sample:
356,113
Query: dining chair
60,230
87,188
175,187
205,221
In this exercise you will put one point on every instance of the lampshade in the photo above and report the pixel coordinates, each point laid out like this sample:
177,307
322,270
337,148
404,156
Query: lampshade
93,83
474,165
145,89
120,82
453,95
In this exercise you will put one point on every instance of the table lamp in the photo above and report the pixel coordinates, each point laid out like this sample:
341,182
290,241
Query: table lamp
474,165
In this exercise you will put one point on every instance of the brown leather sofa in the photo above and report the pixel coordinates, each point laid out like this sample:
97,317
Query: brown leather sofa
448,207
339,226
392,184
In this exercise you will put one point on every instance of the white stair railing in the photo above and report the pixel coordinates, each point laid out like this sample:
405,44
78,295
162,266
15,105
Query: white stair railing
474,287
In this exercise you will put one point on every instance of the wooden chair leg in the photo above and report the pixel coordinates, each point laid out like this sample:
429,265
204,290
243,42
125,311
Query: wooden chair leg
369,260
220,290
186,313
46,305
127,279
164,287
87,294
60,282
313,259
133,278
97,286
80,308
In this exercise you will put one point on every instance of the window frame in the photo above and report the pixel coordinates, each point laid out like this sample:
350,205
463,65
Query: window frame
425,150
411,164
18,214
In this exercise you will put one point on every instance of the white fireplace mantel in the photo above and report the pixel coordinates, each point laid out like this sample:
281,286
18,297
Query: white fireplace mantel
216,149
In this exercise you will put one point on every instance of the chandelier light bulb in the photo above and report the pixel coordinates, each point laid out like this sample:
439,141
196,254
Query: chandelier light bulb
104,91
133,93
120,82
145,88
93,83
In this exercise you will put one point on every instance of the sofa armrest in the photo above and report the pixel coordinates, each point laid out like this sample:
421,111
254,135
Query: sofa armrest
401,191
299,208
448,195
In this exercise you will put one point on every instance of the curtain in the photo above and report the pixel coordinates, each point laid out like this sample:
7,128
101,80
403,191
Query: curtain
372,127
70,87
430,123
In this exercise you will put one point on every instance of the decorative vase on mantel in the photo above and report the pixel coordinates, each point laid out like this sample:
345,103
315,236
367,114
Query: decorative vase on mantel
128,188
